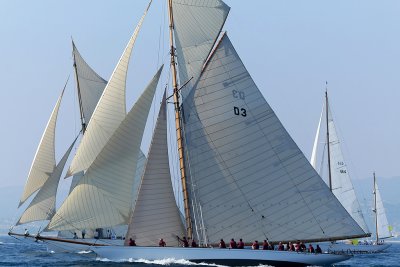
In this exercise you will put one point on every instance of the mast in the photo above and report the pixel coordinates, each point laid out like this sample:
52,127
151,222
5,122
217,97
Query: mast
327,138
376,211
178,124
79,91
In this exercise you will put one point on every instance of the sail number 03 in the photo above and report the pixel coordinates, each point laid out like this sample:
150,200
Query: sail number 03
239,95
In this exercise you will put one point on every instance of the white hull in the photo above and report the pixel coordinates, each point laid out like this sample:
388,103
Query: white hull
353,249
217,256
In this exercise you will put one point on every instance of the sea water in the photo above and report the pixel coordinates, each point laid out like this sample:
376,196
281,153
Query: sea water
17,252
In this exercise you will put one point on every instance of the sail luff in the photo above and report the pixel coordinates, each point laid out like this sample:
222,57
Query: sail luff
44,161
103,196
43,205
313,159
109,112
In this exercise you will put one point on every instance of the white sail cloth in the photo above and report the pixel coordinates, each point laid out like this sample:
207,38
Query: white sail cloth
248,178
44,161
91,85
109,112
197,25
382,221
342,186
155,214
103,197
43,205
313,159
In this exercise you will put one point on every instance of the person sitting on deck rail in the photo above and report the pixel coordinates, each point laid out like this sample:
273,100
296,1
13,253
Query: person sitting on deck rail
184,241
255,245
311,248
194,244
240,244
162,243
232,244
318,249
265,245
303,247
281,247
75,236
222,244
132,242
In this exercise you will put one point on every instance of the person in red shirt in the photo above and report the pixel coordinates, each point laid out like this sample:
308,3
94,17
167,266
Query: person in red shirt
194,245
240,244
162,243
265,245
132,242
232,244
222,244
281,247
255,245
311,249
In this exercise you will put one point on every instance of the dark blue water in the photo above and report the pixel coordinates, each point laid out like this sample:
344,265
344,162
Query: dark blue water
18,253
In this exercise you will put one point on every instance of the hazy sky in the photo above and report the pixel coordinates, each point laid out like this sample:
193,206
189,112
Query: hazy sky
289,47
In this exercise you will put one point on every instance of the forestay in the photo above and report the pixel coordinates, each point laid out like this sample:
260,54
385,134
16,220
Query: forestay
103,196
248,178
43,205
155,214
382,221
45,160
109,112
91,85
342,186
197,25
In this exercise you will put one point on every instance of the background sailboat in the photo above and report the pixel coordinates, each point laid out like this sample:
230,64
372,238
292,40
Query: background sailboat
339,181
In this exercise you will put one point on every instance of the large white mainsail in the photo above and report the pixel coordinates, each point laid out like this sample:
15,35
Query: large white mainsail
383,226
45,160
43,205
109,112
342,186
103,196
197,25
155,214
248,178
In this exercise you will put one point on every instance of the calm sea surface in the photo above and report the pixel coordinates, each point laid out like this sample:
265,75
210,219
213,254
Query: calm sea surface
16,253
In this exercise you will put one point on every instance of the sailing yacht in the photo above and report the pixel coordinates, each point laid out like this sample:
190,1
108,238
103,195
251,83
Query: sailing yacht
340,184
242,174
382,228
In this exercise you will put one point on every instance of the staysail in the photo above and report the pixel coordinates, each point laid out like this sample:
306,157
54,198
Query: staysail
197,25
313,159
383,226
248,178
109,112
103,196
43,205
155,214
342,186
45,160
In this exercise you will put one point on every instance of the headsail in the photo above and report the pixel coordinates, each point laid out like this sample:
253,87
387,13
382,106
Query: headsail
109,112
103,196
90,84
45,160
383,227
155,214
342,186
43,205
197,25
248,178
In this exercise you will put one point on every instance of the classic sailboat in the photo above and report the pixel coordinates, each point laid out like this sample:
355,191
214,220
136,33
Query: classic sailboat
340,183
242,175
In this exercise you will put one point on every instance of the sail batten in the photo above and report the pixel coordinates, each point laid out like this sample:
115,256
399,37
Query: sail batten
109,112
103,196
247,175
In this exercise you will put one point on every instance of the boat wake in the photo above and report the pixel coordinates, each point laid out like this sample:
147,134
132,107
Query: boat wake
85,252
167,262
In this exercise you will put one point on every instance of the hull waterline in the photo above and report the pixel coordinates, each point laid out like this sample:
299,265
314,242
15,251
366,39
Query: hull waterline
353,249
